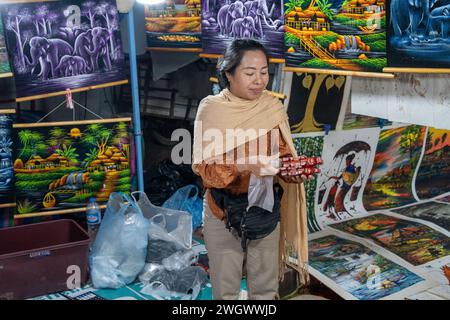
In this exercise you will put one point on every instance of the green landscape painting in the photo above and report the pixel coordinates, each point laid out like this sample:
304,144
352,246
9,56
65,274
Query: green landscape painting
59,167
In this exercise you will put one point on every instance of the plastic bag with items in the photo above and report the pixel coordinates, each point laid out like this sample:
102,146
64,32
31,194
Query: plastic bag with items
163,284
169,225
187,199
120,248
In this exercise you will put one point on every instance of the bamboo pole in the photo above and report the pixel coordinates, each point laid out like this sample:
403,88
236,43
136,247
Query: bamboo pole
6,75
162,49
52,213
217,56
7,205
416,70
69,123
341,72
7,111
275,94
61,93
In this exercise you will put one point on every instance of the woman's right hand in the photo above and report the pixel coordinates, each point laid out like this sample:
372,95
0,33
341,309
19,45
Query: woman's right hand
259,165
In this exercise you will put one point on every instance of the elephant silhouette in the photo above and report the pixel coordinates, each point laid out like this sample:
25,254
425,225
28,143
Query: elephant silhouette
243,27
227,14
84,46
92,45
47,53
257,9
72,66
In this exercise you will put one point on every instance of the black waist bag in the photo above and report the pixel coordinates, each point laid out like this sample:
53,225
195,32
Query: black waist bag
254,223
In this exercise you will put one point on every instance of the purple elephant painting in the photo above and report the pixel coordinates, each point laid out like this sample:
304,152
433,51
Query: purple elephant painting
225,20
63,44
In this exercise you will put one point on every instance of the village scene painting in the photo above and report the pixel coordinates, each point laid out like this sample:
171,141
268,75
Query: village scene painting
419,34
434,173
62,166
390,183
58,45
6,159
336,34
225,20
4,62
173,24
358,270
414,242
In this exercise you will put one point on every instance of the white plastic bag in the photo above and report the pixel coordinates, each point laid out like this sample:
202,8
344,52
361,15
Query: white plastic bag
120,248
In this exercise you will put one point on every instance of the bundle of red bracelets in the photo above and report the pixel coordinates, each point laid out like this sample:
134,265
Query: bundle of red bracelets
300,166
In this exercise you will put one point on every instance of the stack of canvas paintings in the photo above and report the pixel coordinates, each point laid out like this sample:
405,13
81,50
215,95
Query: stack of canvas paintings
173,24
336,34
60,167
63,44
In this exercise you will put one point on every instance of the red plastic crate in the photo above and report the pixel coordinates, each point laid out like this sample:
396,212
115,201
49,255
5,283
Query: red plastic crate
35,258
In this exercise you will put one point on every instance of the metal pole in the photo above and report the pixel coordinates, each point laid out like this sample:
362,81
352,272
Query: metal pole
135,99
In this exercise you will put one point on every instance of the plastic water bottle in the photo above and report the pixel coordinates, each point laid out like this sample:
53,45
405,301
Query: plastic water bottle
93,218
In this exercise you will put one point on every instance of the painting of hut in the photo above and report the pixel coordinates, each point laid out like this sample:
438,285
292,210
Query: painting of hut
336,34
59,167
173,24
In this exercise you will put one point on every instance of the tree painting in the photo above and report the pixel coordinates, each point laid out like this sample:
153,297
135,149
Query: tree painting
336,34
61,167
310,146
433,177
63,44
390,183
315,101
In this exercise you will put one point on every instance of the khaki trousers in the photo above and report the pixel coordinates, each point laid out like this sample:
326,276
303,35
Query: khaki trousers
226,261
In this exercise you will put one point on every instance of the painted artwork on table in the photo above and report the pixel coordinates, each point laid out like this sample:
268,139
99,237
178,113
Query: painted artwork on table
347,157
433,178
226,20
412,241
315,101
63,44
60,167
336,34
4,62
6,159
419,34
358,270
390,183
438,213
173,24
358,121
310,146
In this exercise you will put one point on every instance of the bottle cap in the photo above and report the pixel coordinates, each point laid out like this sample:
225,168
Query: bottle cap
92,199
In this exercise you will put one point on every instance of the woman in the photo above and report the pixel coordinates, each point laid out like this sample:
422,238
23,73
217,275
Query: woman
244,104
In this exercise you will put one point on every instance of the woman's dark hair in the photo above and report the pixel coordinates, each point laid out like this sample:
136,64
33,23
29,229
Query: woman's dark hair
233,57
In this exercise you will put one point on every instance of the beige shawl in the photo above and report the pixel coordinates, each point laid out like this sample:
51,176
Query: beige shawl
226,111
